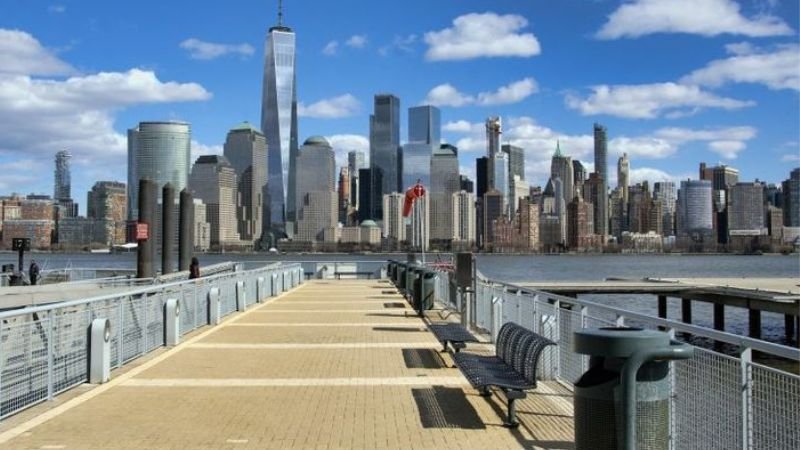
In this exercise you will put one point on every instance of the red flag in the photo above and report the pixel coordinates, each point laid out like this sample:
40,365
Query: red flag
413,193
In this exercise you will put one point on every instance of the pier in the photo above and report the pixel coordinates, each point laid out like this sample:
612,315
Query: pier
265,358
756,295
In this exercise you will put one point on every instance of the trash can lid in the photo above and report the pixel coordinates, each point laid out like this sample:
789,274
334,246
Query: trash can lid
617,342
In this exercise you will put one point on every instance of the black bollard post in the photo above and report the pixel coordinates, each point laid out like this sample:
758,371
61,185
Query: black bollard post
144,252
167,229
186,231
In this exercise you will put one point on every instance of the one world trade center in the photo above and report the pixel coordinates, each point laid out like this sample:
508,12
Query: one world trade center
279,124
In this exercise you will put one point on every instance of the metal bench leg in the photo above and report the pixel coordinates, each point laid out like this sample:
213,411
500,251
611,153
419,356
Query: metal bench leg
485,392
511,422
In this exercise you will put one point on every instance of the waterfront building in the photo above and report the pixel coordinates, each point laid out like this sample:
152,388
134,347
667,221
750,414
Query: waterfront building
791,199
385,153
501,180
664,191
202,229
108,201
445,183
775,224
346,209
528,217
520,191
367,195
579,228
316,213
279,122
694,213
601,168
560,208
394,226
62,192
246,150
38,231
578,175
550,238
623,176
355,161
516,160
463,218
617,212
746,209
561,168
493,127
213,180
316,168
482,186
493,209
160,152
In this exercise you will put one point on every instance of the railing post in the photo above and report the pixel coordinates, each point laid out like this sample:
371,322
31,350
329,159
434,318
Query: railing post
50,349
672,396
620,320
519,306
120,334
745,359
537,327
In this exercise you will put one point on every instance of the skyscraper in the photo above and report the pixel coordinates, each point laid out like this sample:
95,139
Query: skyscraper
578,175
464,218
493,130
561,167
665,192
394,226
424,125
279,121
791,199
623,175
63,184
444,183
384,144
160,152
516,160
416,164
746,209
367,196
694,207
107,201
213,180
502,183
601,167
355,162
246,150
316,189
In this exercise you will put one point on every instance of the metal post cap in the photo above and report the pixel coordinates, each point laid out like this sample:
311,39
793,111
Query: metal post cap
618,342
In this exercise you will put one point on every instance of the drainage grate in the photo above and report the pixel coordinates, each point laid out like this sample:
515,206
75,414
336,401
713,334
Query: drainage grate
406,329
443,407
422,358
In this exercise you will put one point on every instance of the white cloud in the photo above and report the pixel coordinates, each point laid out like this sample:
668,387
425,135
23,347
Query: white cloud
448,95
727,149
702,17
651,175
209,50
330,108
21,53
642,147
344,143
790,157
357,41
404,44
482,35
39,116
511,93
330,48
459,126
648,101
199,150
779,69
56,9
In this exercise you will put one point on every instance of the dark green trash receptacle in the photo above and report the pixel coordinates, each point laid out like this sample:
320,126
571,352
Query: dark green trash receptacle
401,277
424,287
411,275
623,400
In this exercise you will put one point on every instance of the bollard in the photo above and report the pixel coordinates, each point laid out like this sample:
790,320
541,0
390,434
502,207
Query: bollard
275,284
185,230
172,322
99,351
144,251
241,296
167,229
260,292
302,275
213,306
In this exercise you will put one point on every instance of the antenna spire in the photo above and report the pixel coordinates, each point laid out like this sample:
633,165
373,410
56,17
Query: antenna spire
280,13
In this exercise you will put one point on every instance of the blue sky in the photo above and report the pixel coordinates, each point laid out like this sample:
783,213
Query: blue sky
675,81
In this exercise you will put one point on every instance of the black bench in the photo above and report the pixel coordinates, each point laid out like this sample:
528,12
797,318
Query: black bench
453,333
512,369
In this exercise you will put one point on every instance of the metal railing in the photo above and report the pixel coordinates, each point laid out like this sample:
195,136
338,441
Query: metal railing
44,349
719,401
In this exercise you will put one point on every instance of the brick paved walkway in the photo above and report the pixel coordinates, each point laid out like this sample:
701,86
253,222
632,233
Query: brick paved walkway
329,365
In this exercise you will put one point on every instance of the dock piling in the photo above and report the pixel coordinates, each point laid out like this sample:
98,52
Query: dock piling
686,310
719,316
167,229
755,323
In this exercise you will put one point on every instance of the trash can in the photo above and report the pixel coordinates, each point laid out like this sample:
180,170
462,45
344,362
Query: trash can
424,287
400,282
411,282
622,401
392,267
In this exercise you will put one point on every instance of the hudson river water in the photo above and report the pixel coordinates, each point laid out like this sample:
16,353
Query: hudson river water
537,268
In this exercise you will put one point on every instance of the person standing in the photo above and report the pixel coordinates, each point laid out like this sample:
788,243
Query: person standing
33,272
194,268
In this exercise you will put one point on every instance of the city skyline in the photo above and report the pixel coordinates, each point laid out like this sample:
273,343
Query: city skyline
544,95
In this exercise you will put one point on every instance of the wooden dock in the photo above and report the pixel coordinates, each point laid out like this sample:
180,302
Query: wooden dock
775,295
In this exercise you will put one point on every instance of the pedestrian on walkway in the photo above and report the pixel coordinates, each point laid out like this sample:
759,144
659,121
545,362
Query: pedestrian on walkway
194,268
33,273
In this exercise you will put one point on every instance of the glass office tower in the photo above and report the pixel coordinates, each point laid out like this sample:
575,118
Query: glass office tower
279,122
159,151
424,125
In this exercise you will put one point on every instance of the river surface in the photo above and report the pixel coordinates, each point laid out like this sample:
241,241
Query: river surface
523,268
